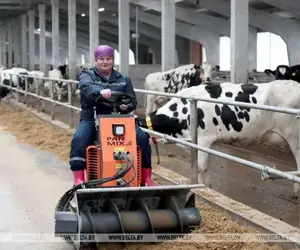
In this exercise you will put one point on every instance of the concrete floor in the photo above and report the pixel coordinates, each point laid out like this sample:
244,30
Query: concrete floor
31,183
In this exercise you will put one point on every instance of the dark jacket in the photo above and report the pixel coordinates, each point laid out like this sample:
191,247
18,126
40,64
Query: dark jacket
91,82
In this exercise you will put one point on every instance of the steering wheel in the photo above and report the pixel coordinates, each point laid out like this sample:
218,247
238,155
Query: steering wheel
117,98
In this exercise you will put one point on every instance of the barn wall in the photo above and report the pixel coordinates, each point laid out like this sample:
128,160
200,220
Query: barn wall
196,52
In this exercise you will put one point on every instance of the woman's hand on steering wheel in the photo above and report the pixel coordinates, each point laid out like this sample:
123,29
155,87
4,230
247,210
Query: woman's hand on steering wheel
124,107
106,93
118,99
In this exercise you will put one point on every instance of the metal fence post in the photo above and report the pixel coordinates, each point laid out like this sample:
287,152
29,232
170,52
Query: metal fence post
71,122
38,98
52,98
26,90
194,139
40,89
296,185
17,93
10,84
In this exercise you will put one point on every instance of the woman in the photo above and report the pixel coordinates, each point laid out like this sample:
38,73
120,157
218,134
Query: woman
101,80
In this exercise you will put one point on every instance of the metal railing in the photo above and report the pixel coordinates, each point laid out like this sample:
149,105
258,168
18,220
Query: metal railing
254,77
267,172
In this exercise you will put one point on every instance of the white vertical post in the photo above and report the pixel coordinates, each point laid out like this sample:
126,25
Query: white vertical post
168,35
124,38
239,33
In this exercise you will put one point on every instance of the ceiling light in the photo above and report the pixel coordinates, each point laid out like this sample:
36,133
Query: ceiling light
38,29
83,15
101,9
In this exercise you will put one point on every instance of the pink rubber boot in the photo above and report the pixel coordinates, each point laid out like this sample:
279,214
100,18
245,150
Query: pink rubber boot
146,177
78,177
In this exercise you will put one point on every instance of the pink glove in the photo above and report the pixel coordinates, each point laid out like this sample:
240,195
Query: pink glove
106,93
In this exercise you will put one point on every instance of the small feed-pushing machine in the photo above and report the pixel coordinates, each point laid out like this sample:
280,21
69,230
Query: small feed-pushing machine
112,200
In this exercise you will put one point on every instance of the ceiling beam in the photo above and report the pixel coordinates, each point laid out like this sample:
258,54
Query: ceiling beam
11,1
113,19
83,8
288,5
11,7
257,18
188,31
84,25
146,9
207,22
82,38
109,30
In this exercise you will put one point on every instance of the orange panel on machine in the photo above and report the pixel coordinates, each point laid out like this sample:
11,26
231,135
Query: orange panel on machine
94,166
111,143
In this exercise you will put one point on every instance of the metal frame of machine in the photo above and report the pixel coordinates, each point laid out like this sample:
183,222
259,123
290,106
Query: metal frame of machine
112,199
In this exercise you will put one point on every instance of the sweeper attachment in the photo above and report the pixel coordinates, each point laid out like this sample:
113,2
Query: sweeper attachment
112,200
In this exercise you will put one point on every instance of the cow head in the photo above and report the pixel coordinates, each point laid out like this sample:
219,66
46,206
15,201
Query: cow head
172,119
4,91
61,90
198,77
208,68
282,72
23,79
30,80
64,71
161,101
295,73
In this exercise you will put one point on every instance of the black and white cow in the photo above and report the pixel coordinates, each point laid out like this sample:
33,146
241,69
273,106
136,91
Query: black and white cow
5,77
37,81
284,72
221,122
171,81
60,88
23,72
208,68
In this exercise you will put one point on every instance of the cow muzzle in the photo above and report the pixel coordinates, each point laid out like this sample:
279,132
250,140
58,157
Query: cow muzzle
202,78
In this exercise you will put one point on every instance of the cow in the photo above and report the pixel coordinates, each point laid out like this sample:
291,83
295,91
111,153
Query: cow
284,72
36,81
208,68
3,91
22,72
226,123
60,88
63,88
171,81
16,79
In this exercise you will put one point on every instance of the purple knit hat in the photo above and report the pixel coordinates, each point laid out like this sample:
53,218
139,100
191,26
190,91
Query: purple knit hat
103,50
